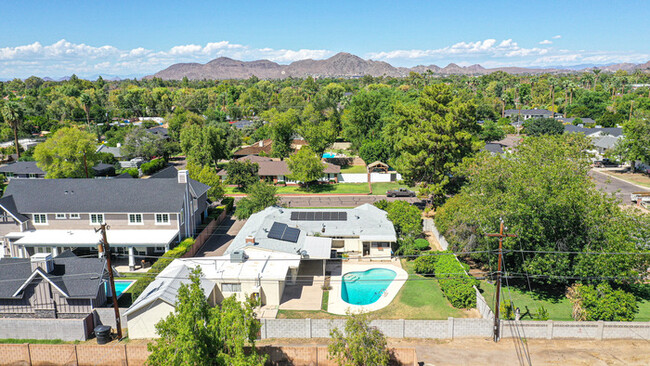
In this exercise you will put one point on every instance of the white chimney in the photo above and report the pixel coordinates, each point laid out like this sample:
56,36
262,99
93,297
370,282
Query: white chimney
43,261
183,176
261,143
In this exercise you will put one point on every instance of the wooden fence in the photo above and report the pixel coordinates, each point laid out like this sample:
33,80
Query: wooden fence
205,235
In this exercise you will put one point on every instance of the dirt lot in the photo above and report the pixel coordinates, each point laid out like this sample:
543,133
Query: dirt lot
542,352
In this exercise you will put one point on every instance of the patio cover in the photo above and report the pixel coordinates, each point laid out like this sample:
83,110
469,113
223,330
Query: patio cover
318,247
82,238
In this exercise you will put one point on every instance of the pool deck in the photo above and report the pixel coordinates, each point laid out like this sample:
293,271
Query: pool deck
336,305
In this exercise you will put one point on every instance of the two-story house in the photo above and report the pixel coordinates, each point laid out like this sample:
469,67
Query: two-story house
45,287
146,216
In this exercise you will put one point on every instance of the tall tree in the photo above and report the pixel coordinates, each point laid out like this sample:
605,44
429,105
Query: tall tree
259,196
208,176
282,126
204,145
433,136
86,102
138,142
359,345
543,126
635,144
242,173
68,153
320,132
197,334
13,113
305,166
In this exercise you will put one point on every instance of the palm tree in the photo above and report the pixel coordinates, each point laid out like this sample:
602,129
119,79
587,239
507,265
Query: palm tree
12,113
85,103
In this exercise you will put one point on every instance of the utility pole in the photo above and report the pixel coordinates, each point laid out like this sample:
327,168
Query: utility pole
497,323
107,251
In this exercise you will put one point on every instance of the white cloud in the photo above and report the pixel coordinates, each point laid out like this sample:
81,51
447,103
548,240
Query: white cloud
557,37
546,41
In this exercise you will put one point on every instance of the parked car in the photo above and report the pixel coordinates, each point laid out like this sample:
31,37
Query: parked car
604,163
400,192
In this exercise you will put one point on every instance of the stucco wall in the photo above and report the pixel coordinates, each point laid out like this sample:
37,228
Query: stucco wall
142,323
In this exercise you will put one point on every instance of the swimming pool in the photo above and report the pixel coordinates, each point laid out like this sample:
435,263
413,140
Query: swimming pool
120,286
329,155
364,288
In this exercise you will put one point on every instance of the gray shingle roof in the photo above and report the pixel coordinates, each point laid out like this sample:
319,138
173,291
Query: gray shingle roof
171,172
22,167
78,277
612,131
7,203
97,195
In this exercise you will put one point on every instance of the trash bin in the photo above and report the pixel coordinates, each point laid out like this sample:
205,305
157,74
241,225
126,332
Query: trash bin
103,334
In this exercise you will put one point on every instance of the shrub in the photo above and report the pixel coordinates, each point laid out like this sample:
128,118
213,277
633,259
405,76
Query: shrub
162,262
152,166
602,303
229,202
421,244
132,172
425,264
455,283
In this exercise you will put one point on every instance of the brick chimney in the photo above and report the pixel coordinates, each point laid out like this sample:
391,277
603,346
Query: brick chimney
250,239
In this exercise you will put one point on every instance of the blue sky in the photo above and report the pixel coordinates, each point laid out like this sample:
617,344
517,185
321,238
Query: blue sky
57,38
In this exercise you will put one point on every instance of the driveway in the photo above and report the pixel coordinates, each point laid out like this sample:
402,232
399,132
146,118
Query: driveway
622,189
221,238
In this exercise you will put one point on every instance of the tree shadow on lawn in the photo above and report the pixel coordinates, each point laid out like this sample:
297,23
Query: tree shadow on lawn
553,293
317,188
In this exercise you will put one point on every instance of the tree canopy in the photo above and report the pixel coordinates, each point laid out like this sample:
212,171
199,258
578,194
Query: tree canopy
259,196
359,345
69,153
543,126
305,166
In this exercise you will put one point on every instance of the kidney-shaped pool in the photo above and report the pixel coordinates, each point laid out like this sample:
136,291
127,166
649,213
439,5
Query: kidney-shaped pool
364,288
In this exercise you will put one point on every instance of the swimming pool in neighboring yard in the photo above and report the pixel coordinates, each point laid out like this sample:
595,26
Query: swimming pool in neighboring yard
329,155
120,286
364,288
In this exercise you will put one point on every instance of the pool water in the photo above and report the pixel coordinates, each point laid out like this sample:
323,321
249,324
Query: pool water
329,155
120,287
364,288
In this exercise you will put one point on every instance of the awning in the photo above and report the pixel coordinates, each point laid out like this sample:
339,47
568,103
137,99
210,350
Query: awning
317,247
90,238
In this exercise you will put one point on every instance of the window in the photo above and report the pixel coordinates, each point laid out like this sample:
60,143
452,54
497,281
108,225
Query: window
135,219
40,219
74,216
60,216
231,287
162,219
42,249
32,176
182,216
96,218
9,174
159,249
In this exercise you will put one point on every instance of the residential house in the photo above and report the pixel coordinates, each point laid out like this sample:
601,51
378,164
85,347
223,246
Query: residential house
569,120
242,123
275,170
250,272
43,286
159,131
115,151
264,147
146,216
506,144
22,169
103,170
604,139
529,113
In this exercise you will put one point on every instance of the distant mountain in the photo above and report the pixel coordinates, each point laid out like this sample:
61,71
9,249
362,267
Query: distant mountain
344,65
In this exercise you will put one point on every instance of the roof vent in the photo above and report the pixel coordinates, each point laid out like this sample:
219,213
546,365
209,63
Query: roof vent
238,256
183,176
43,261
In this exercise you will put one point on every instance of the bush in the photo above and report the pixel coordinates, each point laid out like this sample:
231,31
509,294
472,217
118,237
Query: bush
229,202
152,166
132,172
162,262
425,264
602,303
455,283
421,244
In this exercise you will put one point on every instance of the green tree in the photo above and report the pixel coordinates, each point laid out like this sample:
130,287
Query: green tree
406,218
305,166
282,125
359,345
373,150
492,132
12,113
635,144
433,136
242,173
86,103
318,131
207,175
62,155
543,126
197,334
601,302
259,196
182,117
140,143
204,145
367,113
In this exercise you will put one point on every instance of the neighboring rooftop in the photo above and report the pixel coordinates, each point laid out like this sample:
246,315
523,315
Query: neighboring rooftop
273,167
22,167
115,151
99,195
242,123
76,277
159,131
265,146
611,131
366,222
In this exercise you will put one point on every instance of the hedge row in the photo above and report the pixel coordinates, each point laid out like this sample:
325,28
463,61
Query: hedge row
455,283
162,262
228,202
152,166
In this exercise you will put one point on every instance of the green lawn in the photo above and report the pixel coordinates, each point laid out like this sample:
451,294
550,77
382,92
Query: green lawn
644,311
340,188
352,169
558,309
32,341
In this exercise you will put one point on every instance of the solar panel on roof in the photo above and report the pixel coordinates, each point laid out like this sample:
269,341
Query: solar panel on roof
295,215
326,216
277,230
291,234
343,216
319,216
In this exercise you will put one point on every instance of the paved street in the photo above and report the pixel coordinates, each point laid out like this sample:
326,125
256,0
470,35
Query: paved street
221,238
608,184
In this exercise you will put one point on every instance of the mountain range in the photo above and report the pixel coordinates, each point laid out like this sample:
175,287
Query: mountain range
347,65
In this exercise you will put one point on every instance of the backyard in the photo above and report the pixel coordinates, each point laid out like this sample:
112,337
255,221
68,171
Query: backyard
419,298
339,188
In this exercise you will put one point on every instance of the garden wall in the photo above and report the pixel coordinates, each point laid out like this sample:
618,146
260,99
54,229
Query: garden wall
32,328
462,328
374,177
205,235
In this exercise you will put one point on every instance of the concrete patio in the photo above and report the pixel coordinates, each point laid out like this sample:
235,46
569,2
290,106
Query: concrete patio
307,293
